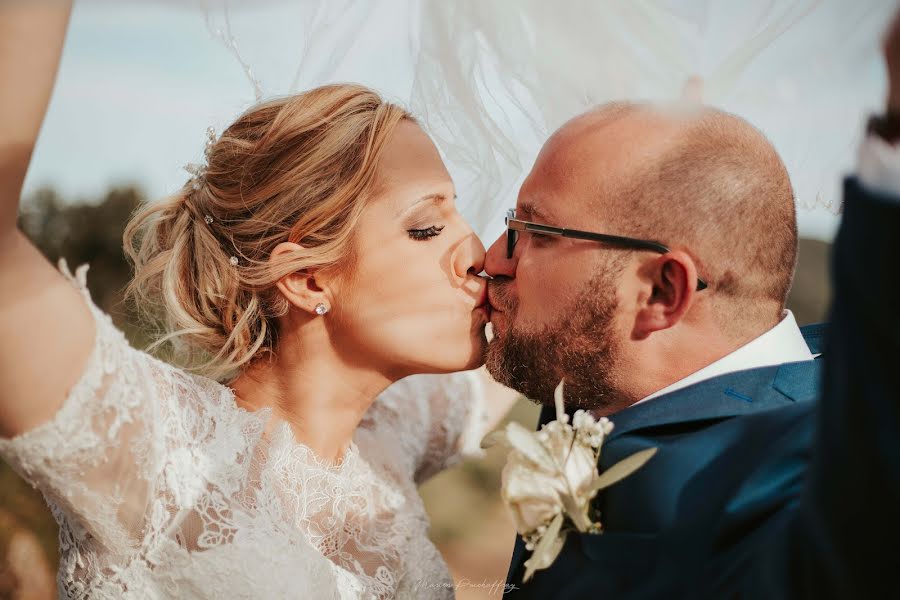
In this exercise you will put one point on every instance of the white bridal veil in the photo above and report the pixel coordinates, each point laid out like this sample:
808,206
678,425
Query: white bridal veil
491,79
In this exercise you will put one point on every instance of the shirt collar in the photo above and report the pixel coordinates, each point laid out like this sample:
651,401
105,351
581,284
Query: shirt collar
783,343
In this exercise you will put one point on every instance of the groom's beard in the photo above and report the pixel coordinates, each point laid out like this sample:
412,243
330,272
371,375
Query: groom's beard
578,347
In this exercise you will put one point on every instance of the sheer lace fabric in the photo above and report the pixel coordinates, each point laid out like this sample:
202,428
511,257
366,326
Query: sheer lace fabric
163,487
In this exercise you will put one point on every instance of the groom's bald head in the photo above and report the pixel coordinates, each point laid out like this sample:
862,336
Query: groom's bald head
695,178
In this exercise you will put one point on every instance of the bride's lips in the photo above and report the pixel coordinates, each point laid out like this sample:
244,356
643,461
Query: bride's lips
483,299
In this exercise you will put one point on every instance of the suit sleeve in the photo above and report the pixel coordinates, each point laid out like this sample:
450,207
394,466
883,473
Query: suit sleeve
843,541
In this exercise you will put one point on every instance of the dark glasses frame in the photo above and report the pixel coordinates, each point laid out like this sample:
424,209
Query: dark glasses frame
514,226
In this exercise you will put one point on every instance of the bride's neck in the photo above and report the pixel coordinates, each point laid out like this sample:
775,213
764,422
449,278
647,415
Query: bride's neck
321,397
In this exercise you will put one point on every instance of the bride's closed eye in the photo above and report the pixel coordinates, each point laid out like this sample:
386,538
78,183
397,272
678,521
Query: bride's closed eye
427,233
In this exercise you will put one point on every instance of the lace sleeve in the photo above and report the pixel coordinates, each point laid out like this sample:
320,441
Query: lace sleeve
98,459
445,419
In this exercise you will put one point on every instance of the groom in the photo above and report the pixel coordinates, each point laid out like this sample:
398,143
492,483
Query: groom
778,466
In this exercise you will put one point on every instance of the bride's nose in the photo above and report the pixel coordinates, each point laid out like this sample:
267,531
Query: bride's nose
467,257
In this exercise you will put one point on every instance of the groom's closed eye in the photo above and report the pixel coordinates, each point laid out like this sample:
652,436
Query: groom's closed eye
542,239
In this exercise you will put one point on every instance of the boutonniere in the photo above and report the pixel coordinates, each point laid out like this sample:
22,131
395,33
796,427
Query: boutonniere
551,476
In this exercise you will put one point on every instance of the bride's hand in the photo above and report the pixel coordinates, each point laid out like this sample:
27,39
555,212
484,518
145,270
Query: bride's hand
31,40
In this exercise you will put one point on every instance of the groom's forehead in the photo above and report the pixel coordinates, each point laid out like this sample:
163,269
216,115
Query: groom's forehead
560,209
551,193
562,198
581,167
593,147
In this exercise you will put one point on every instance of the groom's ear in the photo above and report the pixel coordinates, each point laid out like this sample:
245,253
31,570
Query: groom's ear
673,282
303,289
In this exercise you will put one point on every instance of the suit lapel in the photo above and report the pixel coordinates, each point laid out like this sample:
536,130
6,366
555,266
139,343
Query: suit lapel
729,395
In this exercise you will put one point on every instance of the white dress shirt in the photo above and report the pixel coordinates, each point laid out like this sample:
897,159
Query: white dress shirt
782,344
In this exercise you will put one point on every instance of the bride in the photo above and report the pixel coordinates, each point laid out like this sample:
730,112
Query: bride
313,261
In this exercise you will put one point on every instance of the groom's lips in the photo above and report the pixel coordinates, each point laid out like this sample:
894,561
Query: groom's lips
491,302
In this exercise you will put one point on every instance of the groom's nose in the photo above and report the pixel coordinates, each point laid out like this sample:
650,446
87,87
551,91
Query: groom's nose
495,261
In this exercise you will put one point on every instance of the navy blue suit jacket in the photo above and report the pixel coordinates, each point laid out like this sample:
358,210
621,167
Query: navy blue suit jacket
779,482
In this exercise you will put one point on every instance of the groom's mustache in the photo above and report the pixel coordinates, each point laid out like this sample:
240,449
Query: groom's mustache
499,295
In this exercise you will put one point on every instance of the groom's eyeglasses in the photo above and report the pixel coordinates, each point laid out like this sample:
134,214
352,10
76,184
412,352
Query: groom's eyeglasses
514,226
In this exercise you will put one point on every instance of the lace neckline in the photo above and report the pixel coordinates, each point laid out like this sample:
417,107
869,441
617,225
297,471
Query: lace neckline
281,433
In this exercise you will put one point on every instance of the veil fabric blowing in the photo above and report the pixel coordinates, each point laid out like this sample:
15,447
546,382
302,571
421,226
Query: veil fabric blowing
491,79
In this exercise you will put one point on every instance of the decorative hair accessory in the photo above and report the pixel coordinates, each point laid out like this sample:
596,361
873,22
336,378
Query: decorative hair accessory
198,171
321,309
208,220
234,261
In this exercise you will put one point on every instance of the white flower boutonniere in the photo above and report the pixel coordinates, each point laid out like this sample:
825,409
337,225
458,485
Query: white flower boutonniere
551,476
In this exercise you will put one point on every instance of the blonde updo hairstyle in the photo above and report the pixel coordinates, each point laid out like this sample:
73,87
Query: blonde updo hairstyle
296,169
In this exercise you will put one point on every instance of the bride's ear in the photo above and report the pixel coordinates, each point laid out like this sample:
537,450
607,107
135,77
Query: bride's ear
302,289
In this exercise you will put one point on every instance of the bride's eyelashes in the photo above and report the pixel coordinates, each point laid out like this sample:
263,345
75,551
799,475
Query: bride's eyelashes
427,233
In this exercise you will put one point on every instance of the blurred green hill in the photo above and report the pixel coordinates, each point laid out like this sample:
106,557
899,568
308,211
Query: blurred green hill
469,524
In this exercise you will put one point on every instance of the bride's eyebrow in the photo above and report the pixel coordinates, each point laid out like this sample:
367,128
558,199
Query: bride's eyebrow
434,198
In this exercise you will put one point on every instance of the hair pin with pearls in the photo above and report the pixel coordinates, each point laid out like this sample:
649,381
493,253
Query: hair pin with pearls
198,171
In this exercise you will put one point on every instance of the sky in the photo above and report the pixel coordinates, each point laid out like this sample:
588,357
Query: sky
136,90
139,83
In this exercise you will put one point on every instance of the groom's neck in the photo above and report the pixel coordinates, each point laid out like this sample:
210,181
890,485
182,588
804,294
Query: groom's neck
670,356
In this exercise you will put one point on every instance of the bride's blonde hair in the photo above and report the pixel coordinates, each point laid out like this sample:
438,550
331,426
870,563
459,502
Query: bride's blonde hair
295,169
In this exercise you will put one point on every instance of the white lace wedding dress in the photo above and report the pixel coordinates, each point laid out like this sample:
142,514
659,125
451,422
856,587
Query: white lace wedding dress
164,488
